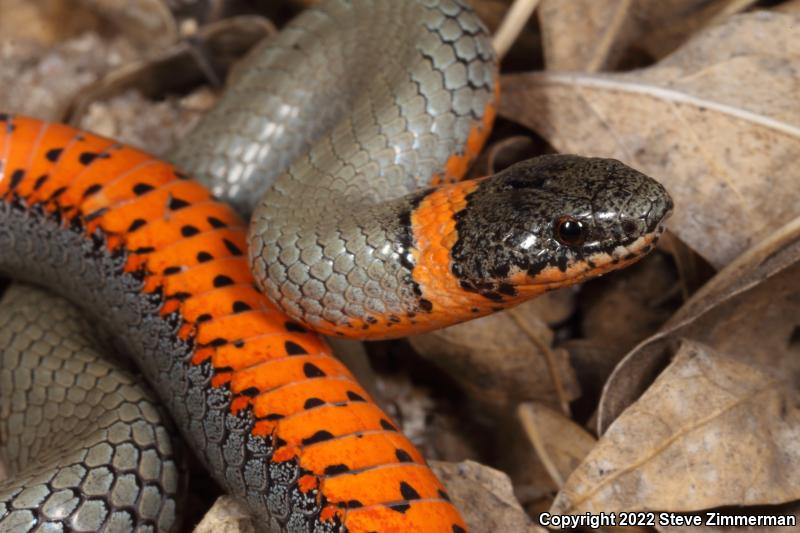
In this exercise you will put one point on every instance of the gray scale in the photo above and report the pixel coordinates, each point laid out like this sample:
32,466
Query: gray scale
70,429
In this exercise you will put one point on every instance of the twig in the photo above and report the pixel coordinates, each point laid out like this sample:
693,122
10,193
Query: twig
515,19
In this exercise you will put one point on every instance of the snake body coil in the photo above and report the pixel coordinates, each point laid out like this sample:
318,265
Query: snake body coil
340,243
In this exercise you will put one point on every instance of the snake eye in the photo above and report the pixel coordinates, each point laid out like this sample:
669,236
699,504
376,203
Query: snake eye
629,227
570,231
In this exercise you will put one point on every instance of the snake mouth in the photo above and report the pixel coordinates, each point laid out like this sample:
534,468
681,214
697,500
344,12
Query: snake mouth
592,266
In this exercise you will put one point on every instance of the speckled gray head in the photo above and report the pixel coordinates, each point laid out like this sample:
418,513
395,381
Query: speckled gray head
553,221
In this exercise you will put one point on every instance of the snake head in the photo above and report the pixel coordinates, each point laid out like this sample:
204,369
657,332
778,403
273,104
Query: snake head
554,221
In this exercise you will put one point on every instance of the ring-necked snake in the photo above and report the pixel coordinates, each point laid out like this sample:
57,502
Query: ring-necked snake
376,108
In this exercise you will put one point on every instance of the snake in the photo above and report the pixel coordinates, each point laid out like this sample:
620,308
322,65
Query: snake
345,137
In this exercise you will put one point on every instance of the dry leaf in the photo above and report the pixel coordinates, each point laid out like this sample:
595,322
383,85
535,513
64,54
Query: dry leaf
503,154
533,485
622,309
41,81
711,431
43,23
693,270
790,6
560,443
749,310
227,515
503,359
595,35
149,23
485,497
717,122
177,68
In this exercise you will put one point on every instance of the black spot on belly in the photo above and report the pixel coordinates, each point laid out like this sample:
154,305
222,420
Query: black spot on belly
96,214
177,203
87,157
149,250
313,402
222,280
170,270
202,257
58,192
292,348
189,230
319,436
355,397
41,180
408,492
16,178
205,317
425,305
216,223
385,424
241,307
332,470
232,248
53,154
250,392
403,456
400,507
141,188
294,327
136,224
274,416
312,371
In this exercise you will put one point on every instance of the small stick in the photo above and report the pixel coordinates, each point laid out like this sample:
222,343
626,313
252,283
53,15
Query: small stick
515,19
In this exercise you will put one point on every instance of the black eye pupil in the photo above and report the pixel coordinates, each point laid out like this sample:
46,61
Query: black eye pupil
569,231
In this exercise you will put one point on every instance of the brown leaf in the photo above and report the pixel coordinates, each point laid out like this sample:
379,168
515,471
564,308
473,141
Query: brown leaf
790,6
595,35
227,515
503,359
41,81
560,443
510,150
148,23
43,23
622,309
693,270
485,497
178,67
749,310
717,122
711,431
